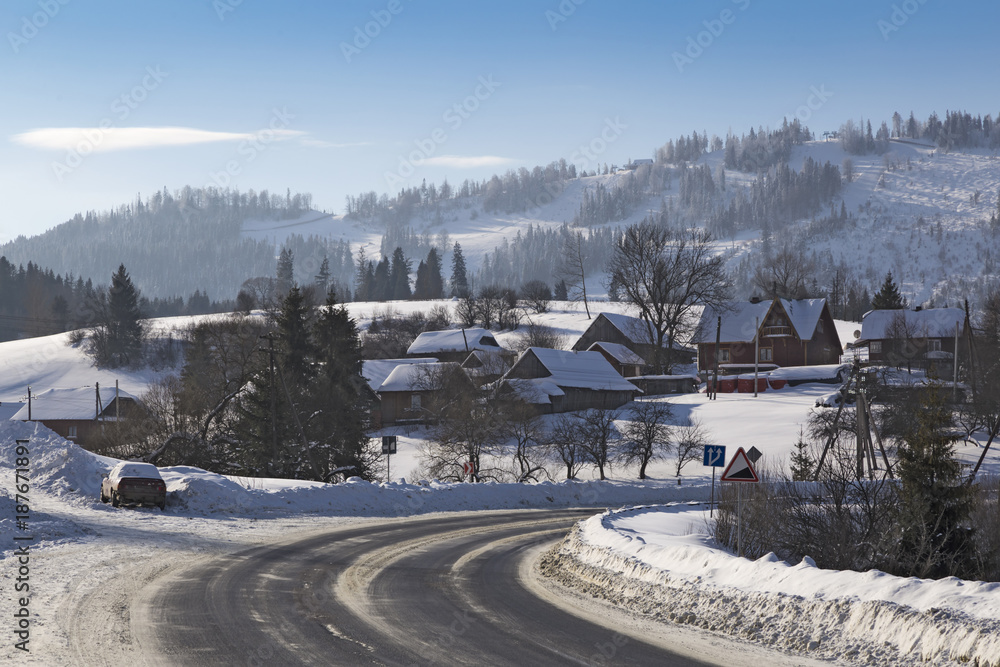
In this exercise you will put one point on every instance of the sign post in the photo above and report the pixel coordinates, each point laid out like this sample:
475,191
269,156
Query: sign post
715,456
388,448
740,469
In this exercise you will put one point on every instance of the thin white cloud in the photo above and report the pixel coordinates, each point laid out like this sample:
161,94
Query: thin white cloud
322,143
468,161
98,139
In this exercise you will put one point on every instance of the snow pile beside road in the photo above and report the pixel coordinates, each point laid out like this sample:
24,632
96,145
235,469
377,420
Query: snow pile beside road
661,561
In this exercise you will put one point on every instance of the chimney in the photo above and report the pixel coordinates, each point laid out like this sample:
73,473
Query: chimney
755,299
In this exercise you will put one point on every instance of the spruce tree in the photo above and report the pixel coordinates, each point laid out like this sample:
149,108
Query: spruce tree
888,296
285,272
120,330
323,276
435,284
459,277
421,286
399,276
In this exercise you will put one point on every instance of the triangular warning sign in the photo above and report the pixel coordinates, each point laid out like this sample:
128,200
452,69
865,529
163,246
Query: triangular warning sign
740,469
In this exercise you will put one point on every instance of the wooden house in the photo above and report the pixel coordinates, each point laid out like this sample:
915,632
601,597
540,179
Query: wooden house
408,393
630,332
81,414
924,338
555,381
452,344
622,359
797,332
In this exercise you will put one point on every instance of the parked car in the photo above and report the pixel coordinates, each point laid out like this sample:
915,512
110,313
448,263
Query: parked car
134,483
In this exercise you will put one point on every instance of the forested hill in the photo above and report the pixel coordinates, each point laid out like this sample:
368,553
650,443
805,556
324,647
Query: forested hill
173,244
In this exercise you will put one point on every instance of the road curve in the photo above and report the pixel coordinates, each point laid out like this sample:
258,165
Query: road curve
421,591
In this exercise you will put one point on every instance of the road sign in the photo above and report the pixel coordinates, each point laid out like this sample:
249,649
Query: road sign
715,456
754,455
740,469
388,444
467,467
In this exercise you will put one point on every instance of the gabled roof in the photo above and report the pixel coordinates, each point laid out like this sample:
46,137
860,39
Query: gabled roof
633,328
453,340
738,319
580,370
927,323
375,371
78,404
618,352
412,377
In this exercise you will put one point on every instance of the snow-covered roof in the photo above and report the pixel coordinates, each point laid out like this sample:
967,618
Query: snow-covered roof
77,403
927,323
580,370
619,352
412,377
632,328
452,340
377,370
740,319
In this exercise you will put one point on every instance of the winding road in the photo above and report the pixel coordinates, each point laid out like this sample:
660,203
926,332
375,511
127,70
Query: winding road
449,590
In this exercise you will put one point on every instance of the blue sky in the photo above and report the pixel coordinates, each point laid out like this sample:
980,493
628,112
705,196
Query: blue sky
106,100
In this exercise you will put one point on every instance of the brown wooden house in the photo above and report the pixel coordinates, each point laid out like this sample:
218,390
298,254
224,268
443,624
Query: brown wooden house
630,332
409,393
924,338
797,332
80,415
452,344
554,381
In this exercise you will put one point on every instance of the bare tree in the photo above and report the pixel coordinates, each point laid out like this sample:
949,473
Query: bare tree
667,276
646,436
598,436
538,335
689,445
536,295
563,444
522,426
786,275
572,269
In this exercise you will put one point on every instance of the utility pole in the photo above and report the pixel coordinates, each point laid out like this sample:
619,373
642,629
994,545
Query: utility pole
756,353
274,405
29,403
718,336
97,401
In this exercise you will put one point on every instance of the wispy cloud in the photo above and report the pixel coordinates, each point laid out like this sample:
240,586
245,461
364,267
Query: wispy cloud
468,161
322,143
104,139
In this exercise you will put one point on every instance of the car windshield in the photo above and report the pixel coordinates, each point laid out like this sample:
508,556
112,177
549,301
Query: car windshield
136,470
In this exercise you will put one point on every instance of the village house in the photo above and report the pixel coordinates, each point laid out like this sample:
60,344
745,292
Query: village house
797,332
486,366
630,332
452,344
407,395
79,414
924,338
555,381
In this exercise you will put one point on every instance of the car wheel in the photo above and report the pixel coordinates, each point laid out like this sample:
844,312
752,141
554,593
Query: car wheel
104,498
114,499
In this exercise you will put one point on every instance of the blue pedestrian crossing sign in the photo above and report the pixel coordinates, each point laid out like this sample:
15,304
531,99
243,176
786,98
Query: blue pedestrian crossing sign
715,456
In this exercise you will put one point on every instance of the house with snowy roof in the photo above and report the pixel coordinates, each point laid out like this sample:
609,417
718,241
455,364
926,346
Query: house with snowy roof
79,414
452,344
630,332
486,366
556,381
797,332
408,393
622,359
924,337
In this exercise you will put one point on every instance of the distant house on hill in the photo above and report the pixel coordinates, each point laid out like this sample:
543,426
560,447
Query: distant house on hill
452,344
922,337
630,332
81,414
797,332
635,164
408,393
556,381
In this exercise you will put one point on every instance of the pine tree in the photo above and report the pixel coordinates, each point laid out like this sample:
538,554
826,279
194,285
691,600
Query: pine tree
561,292
421,286
459,277
435,283
323,277
802,465
399,276
381,285
285,272
888,296
120,330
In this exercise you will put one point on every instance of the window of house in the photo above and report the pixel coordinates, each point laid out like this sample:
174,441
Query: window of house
71,432
724,355
766,354
875,347
933,344
414,401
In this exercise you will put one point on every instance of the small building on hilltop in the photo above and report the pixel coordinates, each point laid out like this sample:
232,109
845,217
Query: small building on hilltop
80,414
452,344
798,332
555,381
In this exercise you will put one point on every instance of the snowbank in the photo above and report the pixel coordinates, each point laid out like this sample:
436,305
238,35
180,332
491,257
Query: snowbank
661,561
